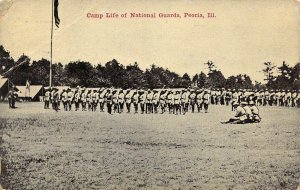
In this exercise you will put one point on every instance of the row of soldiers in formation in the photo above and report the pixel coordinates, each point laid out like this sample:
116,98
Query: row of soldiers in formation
177,101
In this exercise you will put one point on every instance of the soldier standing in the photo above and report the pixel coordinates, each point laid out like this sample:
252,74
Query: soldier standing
199,99
135,101
294,98
95,96
70,99
121,101
47,99
115,100
185,101
55,99
235,98
102,97
170,101
288,97
162,100
228,96
10,97
149,97
142,100
83,99
155,100
128,100
109,98
77,99
192,98
206,98
65,99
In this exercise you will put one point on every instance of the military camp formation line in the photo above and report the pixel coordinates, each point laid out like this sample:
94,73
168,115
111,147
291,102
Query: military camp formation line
175,101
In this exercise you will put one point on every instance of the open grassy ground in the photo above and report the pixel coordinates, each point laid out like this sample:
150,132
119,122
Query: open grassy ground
42,149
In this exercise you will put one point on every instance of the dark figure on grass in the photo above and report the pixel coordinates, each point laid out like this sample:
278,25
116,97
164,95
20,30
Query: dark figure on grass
12,97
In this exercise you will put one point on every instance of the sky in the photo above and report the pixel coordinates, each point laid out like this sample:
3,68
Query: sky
243,35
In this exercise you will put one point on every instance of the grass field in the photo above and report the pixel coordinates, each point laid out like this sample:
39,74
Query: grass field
42,149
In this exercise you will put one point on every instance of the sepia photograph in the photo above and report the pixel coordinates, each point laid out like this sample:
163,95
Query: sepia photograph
161,94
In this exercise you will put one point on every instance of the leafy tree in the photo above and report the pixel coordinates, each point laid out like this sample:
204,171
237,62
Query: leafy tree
114,71
211,66
133,77
202,80
40,72
268,72
22,73
216,79
6,61
80,73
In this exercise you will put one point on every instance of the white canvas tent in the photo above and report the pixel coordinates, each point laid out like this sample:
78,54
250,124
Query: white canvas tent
31,93
4,87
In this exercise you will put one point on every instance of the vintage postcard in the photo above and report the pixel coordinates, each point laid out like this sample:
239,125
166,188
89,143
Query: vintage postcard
161,94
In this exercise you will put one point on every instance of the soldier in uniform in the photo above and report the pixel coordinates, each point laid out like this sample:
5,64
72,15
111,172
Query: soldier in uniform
47,99
266,97
170,100
235,98
295,98
155,100
228,96
206,98
142,100
223,96
65,99
115,103
121,101
102,98
254,117
248,112
199,99
95,96
135,100
271,97
288,98
218,96
213,96
77,99
83,99
149,97
177,102
185,101
240,115
162,100
89,100
52,91
192,99
260,98
10,97
109,99
255,96
55,99
128,100
70,99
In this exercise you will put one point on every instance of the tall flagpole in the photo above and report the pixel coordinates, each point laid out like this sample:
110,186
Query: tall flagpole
50,77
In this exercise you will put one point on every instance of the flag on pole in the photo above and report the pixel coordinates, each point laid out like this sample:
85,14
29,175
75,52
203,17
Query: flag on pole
27,85
27,88
57,20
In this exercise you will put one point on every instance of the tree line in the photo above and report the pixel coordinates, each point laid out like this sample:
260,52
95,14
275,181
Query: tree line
114,74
